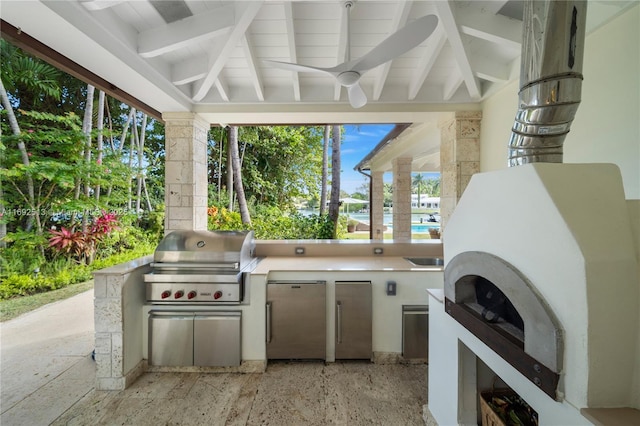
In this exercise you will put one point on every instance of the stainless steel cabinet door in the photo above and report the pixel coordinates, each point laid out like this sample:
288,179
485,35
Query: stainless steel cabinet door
415,331
170,338
353,320
296,320
217,341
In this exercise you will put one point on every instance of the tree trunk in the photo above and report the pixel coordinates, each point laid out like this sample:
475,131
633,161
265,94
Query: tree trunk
15,129
229,170
3,225
220,166
87,127
99,142
130,163
325,169
334,202
237,175
140,175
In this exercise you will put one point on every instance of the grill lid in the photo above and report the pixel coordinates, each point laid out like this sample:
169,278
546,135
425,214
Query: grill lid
229,249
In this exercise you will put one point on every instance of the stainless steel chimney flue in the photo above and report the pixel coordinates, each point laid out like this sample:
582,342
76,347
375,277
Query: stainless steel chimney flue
550,80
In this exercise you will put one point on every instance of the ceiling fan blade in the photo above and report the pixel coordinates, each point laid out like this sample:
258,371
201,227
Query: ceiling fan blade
398,43
357,98
298,68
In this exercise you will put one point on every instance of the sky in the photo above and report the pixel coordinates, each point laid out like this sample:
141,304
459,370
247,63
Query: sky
358,141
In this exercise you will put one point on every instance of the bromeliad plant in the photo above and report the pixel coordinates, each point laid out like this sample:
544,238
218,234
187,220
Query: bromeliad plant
82,244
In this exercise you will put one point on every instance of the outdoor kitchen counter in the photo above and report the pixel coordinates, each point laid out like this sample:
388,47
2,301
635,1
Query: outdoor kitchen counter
348,263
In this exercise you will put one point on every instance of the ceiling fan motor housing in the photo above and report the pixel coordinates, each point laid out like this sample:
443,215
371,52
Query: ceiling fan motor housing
348,78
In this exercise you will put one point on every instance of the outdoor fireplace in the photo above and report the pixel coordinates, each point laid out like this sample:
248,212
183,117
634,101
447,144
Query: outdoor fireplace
536,293
494,301
573,283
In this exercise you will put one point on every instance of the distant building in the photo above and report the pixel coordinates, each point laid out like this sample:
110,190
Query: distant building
426,202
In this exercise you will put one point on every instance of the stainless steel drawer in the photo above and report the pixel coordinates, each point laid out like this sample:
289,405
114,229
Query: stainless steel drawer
415,331
216,339
171,338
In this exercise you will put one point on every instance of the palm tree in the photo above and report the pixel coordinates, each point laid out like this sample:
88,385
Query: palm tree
418,183
433,187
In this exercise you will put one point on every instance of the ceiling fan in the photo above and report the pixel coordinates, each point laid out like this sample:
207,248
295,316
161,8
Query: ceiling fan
349,72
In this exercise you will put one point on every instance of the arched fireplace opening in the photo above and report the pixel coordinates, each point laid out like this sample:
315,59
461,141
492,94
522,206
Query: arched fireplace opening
496,303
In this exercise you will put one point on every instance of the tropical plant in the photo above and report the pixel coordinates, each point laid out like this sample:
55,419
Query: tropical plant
83,243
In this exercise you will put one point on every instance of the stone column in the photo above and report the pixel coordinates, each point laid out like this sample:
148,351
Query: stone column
185,171
402,199
459,158
377,206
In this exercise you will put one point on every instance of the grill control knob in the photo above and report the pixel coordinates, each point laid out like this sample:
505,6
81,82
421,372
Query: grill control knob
191,295
217,295
165,294
178,294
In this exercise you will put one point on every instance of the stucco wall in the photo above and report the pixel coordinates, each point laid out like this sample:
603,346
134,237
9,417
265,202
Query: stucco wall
606,128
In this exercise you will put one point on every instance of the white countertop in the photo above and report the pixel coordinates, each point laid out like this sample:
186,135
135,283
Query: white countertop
348,263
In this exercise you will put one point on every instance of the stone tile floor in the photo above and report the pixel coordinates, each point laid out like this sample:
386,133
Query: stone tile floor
47,377
288,393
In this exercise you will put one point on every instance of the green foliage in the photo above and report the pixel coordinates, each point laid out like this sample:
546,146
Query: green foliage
63,272
271,223
224,220
19,285
54,145
279,163
29,80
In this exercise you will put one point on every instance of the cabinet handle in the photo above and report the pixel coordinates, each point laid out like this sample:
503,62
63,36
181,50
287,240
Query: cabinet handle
339,321
268,322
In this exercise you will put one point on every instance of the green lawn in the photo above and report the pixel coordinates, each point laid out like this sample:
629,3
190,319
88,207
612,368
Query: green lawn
17,306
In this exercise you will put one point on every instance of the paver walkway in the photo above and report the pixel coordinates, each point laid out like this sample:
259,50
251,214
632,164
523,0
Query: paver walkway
46,364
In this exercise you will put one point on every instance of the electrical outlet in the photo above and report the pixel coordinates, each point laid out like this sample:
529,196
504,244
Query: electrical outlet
391,288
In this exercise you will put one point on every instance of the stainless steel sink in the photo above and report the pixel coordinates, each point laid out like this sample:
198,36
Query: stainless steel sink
425,261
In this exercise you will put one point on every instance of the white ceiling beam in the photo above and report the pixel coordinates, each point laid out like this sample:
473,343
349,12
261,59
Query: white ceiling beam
100,4
291,40
452,85
185,72
497,29
451,28
222,88
341,54
256,78
491,70
436,43
245,13
182,33
399,20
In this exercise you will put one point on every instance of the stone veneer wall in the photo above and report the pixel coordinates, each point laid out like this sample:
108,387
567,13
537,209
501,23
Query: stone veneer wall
185,171
377,205
118,298
402,199
459,158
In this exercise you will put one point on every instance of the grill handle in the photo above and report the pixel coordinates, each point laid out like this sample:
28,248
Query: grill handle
268,322
339,321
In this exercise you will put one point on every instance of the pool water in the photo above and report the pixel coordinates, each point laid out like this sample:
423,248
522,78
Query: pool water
416,226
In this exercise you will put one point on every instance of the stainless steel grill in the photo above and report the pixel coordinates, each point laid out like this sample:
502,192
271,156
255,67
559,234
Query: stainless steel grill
204,267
